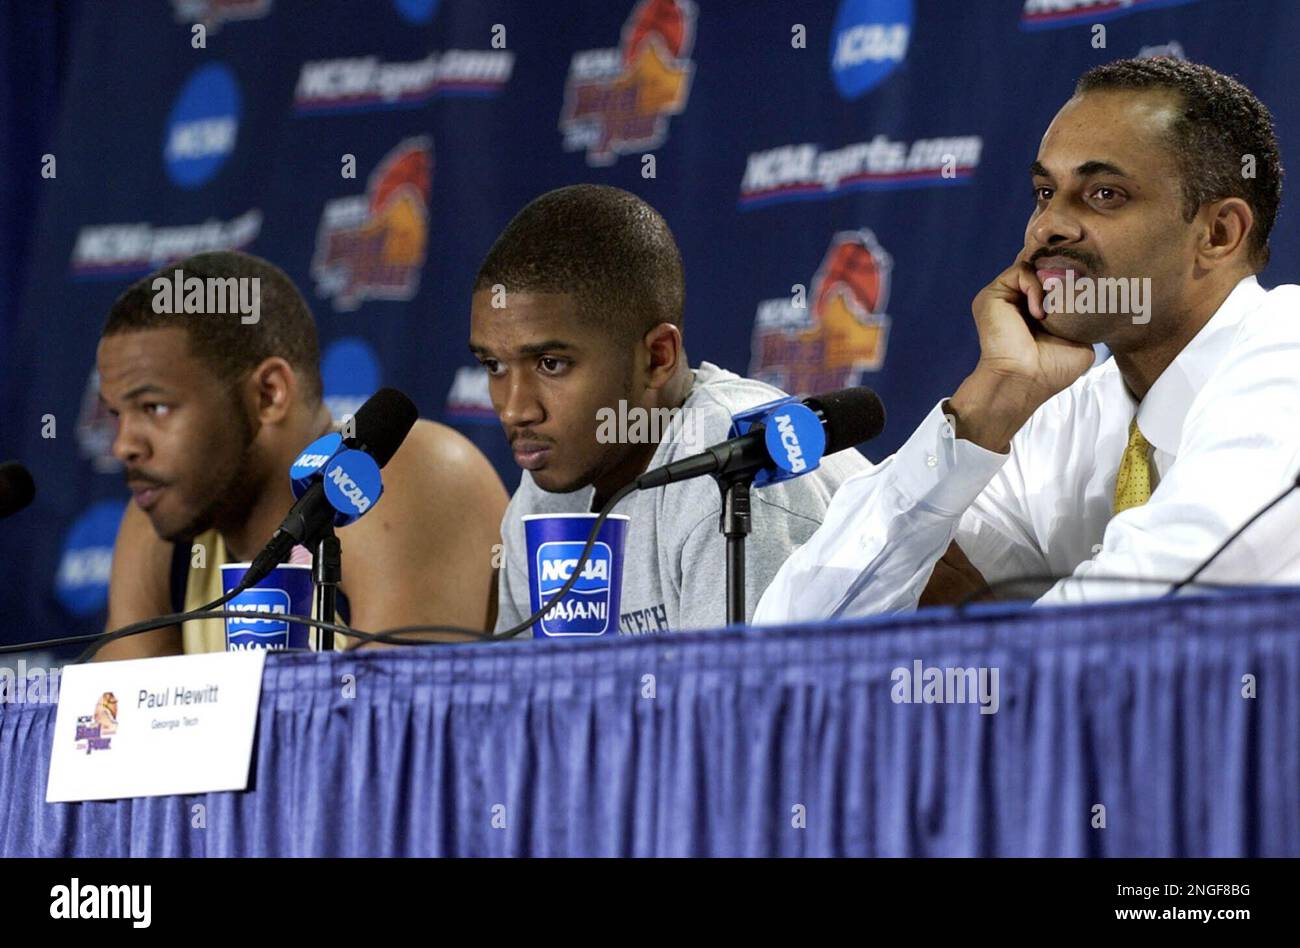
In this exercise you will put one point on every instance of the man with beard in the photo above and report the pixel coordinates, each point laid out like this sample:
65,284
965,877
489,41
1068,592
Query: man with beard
1162,177
212,409
577,317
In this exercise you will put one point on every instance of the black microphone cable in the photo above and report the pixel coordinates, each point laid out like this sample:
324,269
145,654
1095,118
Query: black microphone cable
1174,584
391,636
394,636
101,639
145,625
1191,578
1053,578
837,410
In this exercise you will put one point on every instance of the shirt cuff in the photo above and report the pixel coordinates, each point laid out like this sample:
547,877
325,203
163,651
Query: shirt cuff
937,470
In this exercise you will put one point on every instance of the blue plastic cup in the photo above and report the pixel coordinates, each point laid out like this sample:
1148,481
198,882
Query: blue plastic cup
287,590
554,542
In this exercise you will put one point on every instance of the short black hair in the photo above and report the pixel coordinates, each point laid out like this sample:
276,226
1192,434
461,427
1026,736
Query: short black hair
285,326
605,246
1221,122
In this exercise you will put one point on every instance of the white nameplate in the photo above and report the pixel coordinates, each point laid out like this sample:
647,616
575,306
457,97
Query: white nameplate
155,726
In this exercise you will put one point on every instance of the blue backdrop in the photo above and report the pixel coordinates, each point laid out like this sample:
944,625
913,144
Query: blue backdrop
871,152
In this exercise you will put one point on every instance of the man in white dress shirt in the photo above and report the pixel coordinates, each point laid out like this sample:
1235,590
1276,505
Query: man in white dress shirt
1160,178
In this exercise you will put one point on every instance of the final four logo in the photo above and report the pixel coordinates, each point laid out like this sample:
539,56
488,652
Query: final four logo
837,333
619,100
95,731
372,246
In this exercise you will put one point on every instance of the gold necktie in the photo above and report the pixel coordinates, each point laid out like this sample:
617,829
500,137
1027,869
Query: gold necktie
1133,485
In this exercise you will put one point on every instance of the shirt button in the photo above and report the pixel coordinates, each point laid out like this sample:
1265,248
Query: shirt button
931,461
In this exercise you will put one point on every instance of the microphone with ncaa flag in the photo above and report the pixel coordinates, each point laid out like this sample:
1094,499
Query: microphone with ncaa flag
770,443
351,484
782,439
336,480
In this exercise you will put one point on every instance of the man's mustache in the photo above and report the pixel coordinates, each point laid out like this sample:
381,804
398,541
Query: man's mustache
1087,260
137,477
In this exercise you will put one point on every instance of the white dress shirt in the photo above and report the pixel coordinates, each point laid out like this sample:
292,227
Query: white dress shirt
1224,424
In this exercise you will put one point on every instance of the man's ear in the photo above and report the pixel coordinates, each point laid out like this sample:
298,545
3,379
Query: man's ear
1226,230
272,388
663,346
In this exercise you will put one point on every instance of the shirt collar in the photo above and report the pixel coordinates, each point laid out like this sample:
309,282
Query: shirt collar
1161,413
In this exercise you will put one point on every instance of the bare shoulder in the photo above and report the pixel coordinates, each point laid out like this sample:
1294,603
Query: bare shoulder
424,555
138,589
439,469
139,554
433,450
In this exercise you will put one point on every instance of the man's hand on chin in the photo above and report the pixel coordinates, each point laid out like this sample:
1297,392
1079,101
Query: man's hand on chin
1021,364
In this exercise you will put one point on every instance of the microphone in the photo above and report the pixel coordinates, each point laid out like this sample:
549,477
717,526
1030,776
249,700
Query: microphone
782,439
346,481
16,488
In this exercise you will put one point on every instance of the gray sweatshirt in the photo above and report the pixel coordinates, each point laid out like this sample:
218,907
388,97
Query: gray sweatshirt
674,570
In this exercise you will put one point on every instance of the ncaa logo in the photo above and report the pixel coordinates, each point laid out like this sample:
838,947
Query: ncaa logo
312,458
352,485
868,42
203,126
585,610
259,628
81,583
795,440
416,11
469,398
350,373
794,459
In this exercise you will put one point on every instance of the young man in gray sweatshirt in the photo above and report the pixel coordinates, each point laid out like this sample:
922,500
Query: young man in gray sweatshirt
577,318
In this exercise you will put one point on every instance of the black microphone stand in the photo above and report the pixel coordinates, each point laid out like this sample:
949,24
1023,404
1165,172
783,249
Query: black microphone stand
326,573
735,525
